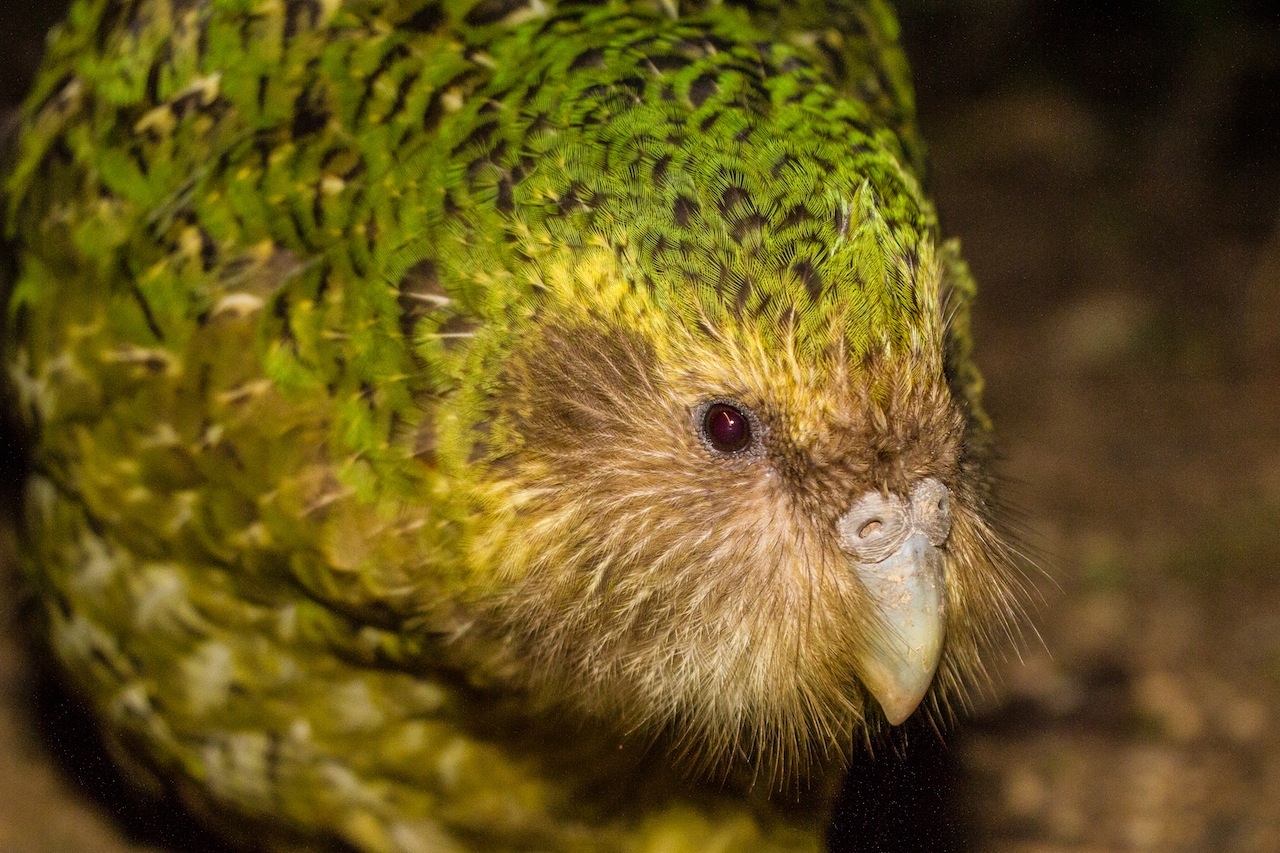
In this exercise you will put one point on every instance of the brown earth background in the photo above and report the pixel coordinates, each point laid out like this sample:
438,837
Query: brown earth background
1113,169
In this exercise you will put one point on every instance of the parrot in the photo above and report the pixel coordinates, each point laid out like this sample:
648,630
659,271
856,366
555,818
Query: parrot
497,425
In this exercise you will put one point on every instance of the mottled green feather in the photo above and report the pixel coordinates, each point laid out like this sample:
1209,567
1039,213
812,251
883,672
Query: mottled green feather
276,258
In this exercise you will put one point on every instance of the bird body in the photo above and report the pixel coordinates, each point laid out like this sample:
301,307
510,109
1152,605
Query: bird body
496,425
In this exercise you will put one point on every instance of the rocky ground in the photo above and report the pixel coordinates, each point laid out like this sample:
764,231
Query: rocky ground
1115,177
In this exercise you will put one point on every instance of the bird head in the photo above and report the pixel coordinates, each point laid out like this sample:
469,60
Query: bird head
730,479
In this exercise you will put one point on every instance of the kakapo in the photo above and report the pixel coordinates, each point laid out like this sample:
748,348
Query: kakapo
496,425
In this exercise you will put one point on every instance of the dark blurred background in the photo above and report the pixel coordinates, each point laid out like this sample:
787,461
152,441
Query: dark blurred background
1113,170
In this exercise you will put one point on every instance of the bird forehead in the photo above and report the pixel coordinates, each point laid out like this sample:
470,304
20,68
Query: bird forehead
682,156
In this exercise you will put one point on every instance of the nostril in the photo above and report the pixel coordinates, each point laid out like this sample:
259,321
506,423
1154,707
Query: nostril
875,525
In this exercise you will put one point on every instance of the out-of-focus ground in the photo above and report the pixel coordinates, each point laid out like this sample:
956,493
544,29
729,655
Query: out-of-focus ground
1114,173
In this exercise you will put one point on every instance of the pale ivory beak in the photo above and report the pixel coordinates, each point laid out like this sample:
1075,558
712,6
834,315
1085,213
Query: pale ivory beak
896,546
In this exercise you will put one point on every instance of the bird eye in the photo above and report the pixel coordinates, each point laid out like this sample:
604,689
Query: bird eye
726,428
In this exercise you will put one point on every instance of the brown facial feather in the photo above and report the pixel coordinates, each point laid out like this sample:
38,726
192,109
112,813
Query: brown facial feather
703,596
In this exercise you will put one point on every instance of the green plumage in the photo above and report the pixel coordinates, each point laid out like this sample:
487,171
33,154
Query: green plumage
327,320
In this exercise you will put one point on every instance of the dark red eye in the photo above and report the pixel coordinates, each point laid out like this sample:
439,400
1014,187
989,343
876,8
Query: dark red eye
727,429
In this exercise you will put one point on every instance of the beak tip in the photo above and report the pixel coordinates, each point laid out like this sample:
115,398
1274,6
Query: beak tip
898,712
898,716
898,691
